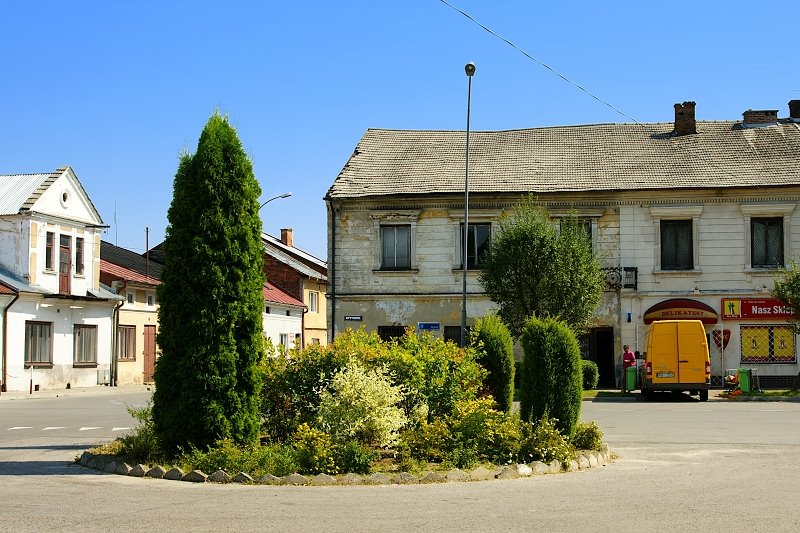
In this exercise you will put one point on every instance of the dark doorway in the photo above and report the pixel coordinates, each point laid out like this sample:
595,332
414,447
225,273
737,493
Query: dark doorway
601,351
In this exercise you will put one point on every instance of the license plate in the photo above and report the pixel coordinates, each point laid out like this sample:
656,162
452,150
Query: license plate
665,374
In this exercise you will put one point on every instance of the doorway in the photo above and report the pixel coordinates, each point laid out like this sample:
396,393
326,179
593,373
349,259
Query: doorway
149,353
601,351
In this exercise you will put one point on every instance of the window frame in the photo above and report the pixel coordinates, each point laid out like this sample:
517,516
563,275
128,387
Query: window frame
84,337
382,218
313,302
384,264
49,251
48,339
688,212
388,333
127,339
677,226
750,211
766,221
79,265
473,227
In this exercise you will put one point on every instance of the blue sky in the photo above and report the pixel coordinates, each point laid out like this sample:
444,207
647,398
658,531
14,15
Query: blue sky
118,89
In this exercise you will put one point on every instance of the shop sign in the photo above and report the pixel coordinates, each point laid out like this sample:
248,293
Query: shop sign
681,309
754,309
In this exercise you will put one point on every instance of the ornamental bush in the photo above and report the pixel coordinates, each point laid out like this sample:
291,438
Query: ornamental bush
551,381
492,341
313,451
588,436
590,374
361,404
490,435
543,442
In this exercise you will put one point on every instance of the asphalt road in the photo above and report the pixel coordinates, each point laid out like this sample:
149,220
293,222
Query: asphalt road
683,466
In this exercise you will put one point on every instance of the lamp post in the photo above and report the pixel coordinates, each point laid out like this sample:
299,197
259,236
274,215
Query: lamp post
469,68
284,195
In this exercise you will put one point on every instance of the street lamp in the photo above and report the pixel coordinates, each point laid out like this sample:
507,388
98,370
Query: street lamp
284,195
469,68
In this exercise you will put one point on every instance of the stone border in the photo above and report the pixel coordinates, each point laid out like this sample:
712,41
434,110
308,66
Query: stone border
583,460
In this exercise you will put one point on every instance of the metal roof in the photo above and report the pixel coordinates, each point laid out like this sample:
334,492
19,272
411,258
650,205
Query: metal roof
16,190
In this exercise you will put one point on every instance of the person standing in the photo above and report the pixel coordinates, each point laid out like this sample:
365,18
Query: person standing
628,360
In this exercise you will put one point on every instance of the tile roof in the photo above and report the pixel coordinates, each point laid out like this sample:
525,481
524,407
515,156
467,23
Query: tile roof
130,260
6,289
126,273
303,262
571,158
275,295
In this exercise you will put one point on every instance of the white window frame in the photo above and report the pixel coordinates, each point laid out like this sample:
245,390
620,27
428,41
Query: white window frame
84,351
750,211
689,212
313,302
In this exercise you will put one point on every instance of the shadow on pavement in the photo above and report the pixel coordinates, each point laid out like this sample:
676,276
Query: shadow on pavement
44,468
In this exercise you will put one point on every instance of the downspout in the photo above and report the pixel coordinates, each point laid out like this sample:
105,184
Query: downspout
115,336
332,270
5,342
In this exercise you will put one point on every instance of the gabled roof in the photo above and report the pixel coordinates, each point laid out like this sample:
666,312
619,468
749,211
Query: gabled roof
6,289
129,260
598,157
126,274
273,294
303,262
18,192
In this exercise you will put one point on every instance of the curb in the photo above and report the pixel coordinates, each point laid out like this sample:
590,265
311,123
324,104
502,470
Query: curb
583,460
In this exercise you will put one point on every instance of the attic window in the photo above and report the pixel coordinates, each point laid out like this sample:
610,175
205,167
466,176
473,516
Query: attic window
64,198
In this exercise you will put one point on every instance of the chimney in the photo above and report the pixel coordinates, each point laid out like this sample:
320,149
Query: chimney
287,236
794,110
760,118
685,123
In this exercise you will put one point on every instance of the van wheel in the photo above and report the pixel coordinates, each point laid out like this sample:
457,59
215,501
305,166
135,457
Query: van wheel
704,395
647,394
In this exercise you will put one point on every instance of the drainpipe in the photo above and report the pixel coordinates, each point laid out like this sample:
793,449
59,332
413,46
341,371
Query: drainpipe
332,270
5,343
115,337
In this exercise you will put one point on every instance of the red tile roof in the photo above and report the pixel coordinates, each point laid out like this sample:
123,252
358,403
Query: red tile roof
6,290
126,274
274,295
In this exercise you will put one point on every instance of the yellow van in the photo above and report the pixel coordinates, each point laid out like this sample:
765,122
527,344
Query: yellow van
676,358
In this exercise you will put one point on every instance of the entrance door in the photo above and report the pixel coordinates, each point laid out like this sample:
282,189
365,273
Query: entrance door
601,351
64,264
149,353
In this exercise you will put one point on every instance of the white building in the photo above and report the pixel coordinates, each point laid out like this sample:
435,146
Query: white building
691,219
57,319
283,317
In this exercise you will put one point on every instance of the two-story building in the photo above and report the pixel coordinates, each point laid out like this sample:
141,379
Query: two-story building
302,276
135,279
56,316
690,219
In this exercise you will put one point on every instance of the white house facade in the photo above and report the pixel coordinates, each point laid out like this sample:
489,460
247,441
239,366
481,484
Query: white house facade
691,219
57,326
282,318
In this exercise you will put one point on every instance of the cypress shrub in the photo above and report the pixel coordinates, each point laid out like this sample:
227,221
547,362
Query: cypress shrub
591,375
551,380
211,299
492,340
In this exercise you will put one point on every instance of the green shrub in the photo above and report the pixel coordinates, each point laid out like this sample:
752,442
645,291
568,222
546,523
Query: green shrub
254,460
142,444
313,451
492,340
361,404
551,381
354,457
588,436
590,374
429,442
492,436
543,441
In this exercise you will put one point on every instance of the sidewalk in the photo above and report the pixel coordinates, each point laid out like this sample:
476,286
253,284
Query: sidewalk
75,391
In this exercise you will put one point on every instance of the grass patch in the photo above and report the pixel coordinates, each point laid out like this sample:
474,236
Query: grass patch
590,394
775,393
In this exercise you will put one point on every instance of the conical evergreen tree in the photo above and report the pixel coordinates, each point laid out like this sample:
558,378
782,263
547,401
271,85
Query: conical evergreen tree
211,299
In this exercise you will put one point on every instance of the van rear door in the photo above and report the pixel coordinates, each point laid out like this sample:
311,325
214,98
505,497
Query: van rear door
692,350
663,352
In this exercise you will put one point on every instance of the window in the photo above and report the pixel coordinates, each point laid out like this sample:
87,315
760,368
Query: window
266,308
676,245
285,340
396,247
313,302
129,297
85,345
478,239
49,257
766,242
768,344
288,312
79,256
151,300
315,341
126,347
38,343
387,333
453,334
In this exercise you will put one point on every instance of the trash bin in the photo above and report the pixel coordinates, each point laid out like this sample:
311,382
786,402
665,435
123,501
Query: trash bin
630,378
744,379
